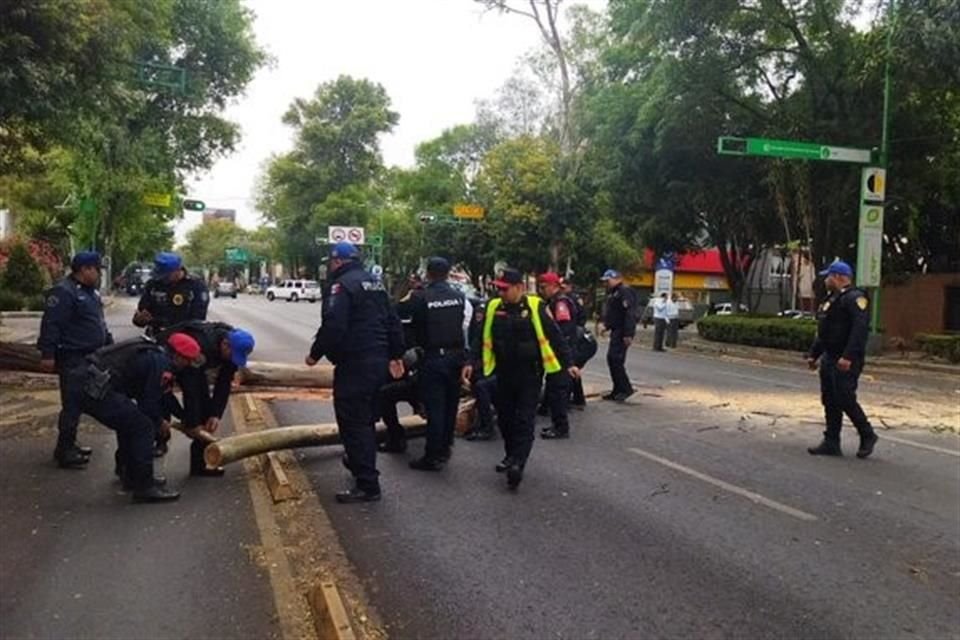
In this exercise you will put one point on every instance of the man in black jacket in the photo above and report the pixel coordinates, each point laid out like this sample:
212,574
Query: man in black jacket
557,392
840,347
361,335
620,319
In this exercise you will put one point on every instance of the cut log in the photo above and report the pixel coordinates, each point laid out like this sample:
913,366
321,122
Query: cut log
233,448
275,374
18,356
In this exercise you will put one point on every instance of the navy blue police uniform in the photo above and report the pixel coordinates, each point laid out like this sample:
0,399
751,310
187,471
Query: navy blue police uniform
72,327
577,397
483,387
359,333
440,313
558,385
519,371
842,329
620,319
395,392
170,302
200,403
121,386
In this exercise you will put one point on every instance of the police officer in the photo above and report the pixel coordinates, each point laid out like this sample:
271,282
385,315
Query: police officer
620,319
557,394
72,327
171,296
483,387
360,334
520,342
224,349
395,392
840,347
121,386
578,399
441,317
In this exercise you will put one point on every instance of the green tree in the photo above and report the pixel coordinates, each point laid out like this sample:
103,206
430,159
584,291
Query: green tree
207,244
22,274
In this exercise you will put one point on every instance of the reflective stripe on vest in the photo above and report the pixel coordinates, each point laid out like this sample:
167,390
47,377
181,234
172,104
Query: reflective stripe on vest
548,357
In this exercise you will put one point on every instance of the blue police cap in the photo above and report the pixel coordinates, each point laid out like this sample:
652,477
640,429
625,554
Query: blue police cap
610,273
344,251
838,267
437,264
166,263
241,344
86,259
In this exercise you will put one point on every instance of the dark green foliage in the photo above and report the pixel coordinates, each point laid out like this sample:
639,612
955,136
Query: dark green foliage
943,346
22,274
775,333
10,300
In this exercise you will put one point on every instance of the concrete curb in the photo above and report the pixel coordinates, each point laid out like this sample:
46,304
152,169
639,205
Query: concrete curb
21,314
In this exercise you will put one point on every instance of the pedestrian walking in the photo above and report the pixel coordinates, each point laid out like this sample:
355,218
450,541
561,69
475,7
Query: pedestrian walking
840,348
519,343
440,321
361,335
121,386
557,391
620,320
660,321
224,351
72,327
673,321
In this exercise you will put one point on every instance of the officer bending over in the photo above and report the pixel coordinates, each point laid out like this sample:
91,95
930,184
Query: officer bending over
72,327
224,349
121,386
360,334
840,346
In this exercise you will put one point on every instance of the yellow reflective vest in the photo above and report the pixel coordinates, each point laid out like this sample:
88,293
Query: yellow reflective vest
549,358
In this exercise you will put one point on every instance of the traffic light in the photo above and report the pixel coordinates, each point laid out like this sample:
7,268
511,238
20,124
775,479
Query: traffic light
426,217
194,205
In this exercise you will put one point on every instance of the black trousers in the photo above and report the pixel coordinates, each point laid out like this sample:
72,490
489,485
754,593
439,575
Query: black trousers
673,331
518,392
558,399
838,392
616,359
118,412
355,387
68,421
440,391
577,397
659,332
389,396
484,390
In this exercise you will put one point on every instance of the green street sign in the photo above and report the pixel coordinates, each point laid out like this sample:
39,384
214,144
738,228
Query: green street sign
790,149
237,255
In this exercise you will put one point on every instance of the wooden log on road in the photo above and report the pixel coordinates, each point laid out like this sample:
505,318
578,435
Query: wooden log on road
276,374
233,448
18,356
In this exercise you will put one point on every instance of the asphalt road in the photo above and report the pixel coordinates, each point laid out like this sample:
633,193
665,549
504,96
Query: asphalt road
659,518
669,516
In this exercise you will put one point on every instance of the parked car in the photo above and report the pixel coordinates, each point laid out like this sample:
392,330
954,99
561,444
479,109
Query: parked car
225,288
294,290
796,314
726,309
686,317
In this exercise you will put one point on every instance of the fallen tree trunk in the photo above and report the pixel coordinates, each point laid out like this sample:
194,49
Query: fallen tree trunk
18,356
233,448
275,374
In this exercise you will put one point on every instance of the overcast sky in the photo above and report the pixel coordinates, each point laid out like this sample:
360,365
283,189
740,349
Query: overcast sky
434,57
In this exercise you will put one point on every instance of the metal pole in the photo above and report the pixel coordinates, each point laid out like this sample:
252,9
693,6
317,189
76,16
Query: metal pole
885,137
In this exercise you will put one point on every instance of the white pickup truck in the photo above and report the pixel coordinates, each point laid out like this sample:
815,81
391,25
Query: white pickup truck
294,291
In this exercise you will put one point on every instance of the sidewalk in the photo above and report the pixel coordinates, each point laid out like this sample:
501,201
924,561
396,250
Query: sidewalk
690,341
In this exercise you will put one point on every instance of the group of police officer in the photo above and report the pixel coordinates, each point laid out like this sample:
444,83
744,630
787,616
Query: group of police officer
502,350
128,385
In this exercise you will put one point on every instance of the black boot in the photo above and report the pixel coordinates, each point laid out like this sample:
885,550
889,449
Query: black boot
356,495
504,464
514,475
553,434
866,445
392,447
71,459
155,494
826,448
426,464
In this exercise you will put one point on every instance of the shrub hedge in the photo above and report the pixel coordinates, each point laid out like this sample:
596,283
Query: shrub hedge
772,332
10,300
944,346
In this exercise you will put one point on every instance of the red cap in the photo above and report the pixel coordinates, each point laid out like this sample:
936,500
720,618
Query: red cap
550,278
184,345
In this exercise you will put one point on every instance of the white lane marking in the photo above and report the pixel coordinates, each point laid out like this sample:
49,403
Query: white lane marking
919,445
732,488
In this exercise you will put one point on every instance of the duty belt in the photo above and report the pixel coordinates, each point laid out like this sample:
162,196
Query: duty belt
443,351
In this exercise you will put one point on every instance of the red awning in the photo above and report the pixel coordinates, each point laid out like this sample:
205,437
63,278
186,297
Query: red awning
705,261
